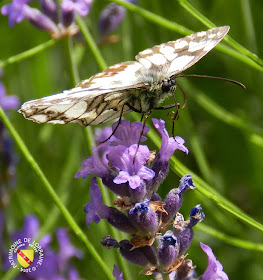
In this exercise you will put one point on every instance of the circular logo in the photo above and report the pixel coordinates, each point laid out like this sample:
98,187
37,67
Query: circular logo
29,254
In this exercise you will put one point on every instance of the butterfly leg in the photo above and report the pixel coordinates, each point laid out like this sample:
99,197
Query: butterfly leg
144,123
119,121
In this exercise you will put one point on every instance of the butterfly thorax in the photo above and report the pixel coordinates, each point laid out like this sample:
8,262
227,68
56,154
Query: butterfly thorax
144,99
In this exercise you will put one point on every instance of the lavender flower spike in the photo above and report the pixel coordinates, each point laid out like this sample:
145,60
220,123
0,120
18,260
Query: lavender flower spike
7,102
14,11
110,18
144,218
116,272
167,250
82,7
66,249
214,270
174,199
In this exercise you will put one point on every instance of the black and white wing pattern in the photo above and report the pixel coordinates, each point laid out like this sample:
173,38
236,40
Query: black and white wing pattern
93,101
127,86
177,56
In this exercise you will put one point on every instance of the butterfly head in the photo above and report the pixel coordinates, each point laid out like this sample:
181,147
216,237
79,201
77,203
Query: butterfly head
168,85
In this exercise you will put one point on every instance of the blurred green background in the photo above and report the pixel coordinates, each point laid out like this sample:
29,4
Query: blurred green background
231,160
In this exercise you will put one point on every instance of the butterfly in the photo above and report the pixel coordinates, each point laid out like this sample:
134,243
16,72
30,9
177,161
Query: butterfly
138,86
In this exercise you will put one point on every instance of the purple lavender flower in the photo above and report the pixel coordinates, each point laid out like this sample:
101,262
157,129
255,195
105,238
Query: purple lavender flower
134,173
131,165
14,11
58,24
97,164
116,164
129,133
7,102
167,249
173,200
126,134
116,273
144,218
49,8
66,249
140,256
8,158
82,7
169,145
186,236
30,229
96,210
214,269
110,18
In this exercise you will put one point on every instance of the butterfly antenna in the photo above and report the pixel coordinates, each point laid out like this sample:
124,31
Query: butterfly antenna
181,89
141,134
215,78
114,130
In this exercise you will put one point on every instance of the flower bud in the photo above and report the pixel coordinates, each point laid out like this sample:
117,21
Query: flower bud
173,200
135,256
144,218
167,250
187,234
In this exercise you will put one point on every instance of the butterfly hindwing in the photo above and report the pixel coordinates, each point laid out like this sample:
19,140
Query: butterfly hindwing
92,101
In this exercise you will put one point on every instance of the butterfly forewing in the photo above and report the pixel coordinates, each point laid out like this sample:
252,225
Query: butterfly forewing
177,56
124,86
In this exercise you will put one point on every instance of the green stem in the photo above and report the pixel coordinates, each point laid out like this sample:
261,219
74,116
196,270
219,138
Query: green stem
27,54
92,44
73,67
228,39
155,18
229,239
76,229
254,134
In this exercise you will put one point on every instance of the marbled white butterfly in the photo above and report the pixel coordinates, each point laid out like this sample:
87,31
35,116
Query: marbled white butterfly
139,85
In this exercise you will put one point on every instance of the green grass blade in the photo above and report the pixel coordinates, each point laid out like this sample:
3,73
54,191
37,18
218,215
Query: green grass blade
91,43
229,239
254,134
24,55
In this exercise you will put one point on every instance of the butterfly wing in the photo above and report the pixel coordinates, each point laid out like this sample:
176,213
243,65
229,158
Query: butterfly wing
105,96
97,100
176,56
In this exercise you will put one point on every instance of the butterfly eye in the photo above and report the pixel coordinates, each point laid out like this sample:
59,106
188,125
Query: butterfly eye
167,84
